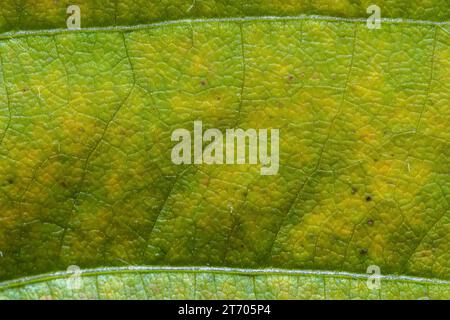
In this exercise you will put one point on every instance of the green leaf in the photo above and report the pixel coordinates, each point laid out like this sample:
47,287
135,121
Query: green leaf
86,176
219,283
26,14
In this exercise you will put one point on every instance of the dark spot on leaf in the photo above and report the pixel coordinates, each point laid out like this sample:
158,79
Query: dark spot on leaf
205,181
354,190
63,184
370,222
10,180
291,77
218,98
203,83
363,251
368,198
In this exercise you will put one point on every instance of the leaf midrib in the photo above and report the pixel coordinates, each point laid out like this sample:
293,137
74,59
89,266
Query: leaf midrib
24,281
46,32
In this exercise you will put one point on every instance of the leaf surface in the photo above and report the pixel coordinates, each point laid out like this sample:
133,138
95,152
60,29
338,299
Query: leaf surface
220,283
86,176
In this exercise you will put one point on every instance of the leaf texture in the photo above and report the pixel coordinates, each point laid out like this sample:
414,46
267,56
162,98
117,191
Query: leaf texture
86,176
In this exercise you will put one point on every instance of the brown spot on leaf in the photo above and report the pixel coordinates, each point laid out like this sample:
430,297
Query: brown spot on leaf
205,181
